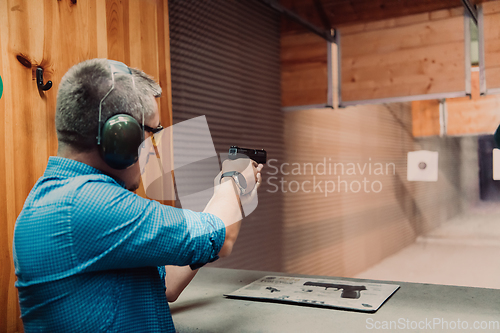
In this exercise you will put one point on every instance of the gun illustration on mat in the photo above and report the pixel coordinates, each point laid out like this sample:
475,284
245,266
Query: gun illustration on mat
272,289
347,291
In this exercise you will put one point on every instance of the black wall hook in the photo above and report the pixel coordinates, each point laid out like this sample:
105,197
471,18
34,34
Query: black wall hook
39,80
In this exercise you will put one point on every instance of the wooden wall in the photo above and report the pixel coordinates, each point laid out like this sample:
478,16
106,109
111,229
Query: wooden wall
425,118
56,35
472,115
304,72
491,31
407,56
475,114
340,12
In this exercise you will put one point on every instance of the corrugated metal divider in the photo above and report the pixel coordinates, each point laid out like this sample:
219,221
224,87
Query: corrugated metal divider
225,58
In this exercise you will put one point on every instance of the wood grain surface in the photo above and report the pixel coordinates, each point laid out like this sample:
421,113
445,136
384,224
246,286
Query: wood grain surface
304,76
338,13
491,11
425,118
414,55
474,115
56,35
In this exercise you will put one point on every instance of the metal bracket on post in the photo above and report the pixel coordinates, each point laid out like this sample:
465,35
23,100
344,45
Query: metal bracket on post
471,9
480,29
294,16
443,117
329,35
329,66
467,43
339,70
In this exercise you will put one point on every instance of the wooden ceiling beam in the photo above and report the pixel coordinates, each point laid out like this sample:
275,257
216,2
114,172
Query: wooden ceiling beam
362,11
322,15
471,9
346,12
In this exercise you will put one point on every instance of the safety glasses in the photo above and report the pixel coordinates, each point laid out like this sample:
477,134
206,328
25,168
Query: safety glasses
153,130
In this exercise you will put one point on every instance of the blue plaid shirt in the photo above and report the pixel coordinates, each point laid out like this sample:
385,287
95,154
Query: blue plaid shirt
89,254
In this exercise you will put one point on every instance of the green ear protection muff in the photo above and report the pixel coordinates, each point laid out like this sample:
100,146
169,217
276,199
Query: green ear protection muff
121,135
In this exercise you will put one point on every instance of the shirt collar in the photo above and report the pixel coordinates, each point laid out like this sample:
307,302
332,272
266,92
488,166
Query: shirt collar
65,167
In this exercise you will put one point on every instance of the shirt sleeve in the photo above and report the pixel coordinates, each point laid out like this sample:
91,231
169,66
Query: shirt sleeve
115,228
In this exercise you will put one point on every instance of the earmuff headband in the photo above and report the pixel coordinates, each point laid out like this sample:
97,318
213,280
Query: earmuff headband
116,67
119,137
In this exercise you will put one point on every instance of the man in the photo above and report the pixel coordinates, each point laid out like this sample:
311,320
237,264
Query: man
89,253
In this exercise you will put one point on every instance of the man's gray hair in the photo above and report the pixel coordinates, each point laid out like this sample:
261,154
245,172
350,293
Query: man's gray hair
82,88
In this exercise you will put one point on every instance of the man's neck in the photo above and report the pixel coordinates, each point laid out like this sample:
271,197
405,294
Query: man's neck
130,176
91,158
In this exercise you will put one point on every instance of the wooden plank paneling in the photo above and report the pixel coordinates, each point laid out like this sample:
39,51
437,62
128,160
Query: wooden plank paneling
480,116
400,35
24,110
304,75
425,118
408,56
402,21
338,13
6,265
56,35
164,68
491,32
472,115
475,115
117,21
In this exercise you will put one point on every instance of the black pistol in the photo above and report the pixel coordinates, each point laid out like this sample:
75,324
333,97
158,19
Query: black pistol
257,155
347,291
